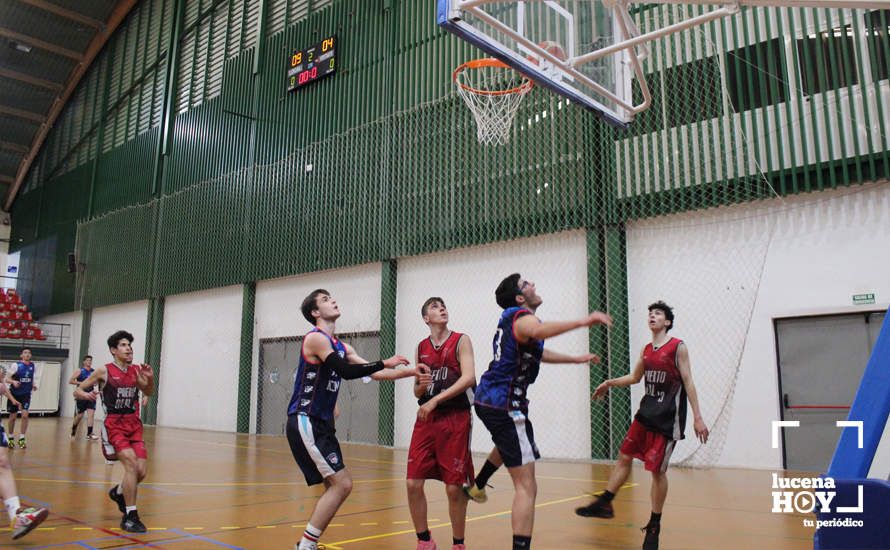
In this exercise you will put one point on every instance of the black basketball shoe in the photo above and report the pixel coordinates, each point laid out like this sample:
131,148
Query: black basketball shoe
599,508
132,524
651,541
118,499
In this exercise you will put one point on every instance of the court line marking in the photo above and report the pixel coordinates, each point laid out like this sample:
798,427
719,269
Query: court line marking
476,518
205,484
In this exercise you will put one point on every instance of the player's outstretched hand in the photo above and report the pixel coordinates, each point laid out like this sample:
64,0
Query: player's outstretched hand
601,390
145,372
395,361
701,430
598,318
424,375
588,358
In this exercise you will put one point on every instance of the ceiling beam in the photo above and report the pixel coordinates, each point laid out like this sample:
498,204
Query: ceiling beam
27,115
37,43
117,16
15,147
28,79
65,12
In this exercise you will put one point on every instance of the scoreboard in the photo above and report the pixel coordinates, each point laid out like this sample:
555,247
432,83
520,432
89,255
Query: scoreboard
311,64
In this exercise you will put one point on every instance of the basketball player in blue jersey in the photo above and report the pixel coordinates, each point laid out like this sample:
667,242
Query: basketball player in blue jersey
324,362
501,401
21,381
659,422
84,406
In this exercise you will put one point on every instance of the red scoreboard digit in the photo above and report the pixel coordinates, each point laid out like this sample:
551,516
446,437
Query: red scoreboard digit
312,63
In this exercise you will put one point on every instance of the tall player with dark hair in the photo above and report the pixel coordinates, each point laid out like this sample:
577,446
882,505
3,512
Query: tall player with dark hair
440,444
659,422
120,381
501,401
324,361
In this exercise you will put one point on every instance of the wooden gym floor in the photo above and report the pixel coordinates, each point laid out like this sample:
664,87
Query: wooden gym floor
209,490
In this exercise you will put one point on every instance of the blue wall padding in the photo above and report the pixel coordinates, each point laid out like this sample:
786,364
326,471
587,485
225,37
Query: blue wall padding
872,406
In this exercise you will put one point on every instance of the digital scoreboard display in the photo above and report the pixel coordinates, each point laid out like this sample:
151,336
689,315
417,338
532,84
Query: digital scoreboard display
311,64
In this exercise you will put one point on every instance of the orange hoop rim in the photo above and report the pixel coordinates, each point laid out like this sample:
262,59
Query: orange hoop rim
490,62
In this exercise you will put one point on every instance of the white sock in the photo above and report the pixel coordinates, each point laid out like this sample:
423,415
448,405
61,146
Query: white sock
131,509
12,506
310,538
119,490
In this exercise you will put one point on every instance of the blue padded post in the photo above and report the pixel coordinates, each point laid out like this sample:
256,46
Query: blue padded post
872,406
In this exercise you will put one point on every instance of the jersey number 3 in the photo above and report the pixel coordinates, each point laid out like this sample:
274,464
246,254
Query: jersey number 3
497,344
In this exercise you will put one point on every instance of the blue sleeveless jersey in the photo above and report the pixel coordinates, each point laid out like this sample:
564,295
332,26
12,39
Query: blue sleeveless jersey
513,368
84,374
24,373
316,386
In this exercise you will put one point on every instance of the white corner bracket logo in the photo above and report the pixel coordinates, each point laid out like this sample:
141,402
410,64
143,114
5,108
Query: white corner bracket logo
812,494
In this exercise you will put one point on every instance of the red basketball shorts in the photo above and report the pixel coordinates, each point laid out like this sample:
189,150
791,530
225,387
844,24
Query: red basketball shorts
440,448
124,431
653,448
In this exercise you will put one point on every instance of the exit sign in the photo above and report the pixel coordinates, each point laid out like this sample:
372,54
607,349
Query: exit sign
862,299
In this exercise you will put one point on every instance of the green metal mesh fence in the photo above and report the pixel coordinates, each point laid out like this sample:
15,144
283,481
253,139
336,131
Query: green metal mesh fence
417,182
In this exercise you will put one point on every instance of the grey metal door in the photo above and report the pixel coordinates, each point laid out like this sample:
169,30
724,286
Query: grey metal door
279,359
359,399
821,361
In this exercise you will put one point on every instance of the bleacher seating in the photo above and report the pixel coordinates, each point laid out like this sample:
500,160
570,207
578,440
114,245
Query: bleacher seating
16,322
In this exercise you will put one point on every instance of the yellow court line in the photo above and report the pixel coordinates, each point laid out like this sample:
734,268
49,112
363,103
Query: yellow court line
46,528
402,522
229,527
193,528
476,518
368,523
266,526
157,528
336,524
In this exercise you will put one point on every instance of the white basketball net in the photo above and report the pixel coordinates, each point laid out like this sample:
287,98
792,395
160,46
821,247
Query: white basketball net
493,92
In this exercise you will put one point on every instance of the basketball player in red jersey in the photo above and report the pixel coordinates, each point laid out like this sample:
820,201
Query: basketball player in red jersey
440,444
659,422
120,381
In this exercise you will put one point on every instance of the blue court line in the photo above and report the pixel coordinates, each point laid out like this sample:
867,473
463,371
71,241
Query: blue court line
205,539
46,505
81,543
85,545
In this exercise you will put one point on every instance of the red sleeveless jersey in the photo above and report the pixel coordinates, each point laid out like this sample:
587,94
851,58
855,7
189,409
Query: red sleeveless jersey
663,407
445,370
119,394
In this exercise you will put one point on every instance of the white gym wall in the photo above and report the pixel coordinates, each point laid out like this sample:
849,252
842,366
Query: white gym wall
277,308
200,350
466,280
825,247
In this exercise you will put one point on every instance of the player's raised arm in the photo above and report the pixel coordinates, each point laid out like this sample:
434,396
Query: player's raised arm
390,372
145,379
635,376
550,356
529,327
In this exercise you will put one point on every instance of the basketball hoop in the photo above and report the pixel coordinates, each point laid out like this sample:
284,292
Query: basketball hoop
488,86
